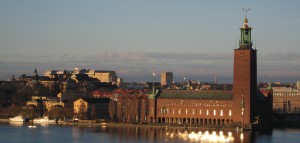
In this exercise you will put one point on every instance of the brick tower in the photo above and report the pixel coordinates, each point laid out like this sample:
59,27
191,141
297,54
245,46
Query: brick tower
244,78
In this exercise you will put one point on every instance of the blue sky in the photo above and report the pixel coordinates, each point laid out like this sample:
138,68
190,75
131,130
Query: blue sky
137,37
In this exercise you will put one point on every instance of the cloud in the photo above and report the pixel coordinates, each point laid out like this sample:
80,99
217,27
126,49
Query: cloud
136,66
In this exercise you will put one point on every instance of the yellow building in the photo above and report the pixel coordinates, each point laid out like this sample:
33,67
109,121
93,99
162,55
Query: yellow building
43,102
83,108
286,99
80,105
106,76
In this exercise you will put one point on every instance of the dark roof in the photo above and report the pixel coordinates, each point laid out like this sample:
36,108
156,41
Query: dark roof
197,94
96,100
82,77
264,94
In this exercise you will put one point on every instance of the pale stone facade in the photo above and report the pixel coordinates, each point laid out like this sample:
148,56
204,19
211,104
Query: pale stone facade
44,102
286,99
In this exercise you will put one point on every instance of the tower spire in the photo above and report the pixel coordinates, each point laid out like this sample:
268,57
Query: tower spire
245,41
246,11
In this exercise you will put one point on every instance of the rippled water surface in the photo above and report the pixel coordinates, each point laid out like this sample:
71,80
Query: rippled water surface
22,133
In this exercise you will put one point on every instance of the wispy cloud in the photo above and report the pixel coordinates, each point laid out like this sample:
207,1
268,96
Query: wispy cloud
139,66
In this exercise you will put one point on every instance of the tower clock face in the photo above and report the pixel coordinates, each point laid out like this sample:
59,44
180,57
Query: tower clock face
242,54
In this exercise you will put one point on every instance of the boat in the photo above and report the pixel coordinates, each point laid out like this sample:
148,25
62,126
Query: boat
18,118
44,119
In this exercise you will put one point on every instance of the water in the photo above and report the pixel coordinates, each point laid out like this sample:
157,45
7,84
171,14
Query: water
16,133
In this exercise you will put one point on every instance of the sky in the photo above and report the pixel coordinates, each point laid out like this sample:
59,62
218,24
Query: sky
138,37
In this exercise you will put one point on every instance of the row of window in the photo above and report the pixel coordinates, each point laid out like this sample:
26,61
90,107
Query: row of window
199,104
194,112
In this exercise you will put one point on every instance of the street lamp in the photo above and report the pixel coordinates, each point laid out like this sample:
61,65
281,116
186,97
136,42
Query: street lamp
153,89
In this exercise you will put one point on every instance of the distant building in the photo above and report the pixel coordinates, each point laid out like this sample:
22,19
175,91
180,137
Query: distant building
88,107
298,85
102,75
46,103
286,100
166,79
120,82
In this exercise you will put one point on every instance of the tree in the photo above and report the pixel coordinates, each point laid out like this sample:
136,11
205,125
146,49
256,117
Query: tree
57,112
94,113
112,109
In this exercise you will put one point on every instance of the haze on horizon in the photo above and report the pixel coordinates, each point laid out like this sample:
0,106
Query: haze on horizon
135,38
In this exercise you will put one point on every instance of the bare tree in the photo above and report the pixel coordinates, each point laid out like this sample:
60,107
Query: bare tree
94,113
112,109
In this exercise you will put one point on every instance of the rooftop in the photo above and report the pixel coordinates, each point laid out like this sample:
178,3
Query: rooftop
197,94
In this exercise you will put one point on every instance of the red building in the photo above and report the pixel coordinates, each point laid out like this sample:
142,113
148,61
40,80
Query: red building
241,106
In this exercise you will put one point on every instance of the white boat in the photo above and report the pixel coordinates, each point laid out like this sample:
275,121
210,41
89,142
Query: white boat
18,118
44,119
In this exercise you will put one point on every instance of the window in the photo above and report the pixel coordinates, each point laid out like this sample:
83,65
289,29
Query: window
214,112
230,113
221,113
207,112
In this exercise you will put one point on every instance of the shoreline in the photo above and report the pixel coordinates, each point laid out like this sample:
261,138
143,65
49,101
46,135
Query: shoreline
92,123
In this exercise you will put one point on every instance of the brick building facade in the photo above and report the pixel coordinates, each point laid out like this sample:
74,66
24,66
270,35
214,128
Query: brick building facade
241,106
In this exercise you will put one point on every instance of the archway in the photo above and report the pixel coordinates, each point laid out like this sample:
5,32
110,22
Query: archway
159,120
163,120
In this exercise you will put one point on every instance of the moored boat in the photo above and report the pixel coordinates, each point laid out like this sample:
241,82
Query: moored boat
44,119
18,118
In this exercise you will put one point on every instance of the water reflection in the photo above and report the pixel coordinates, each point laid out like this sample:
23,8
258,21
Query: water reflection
203,137
165,134
18,124
148,134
